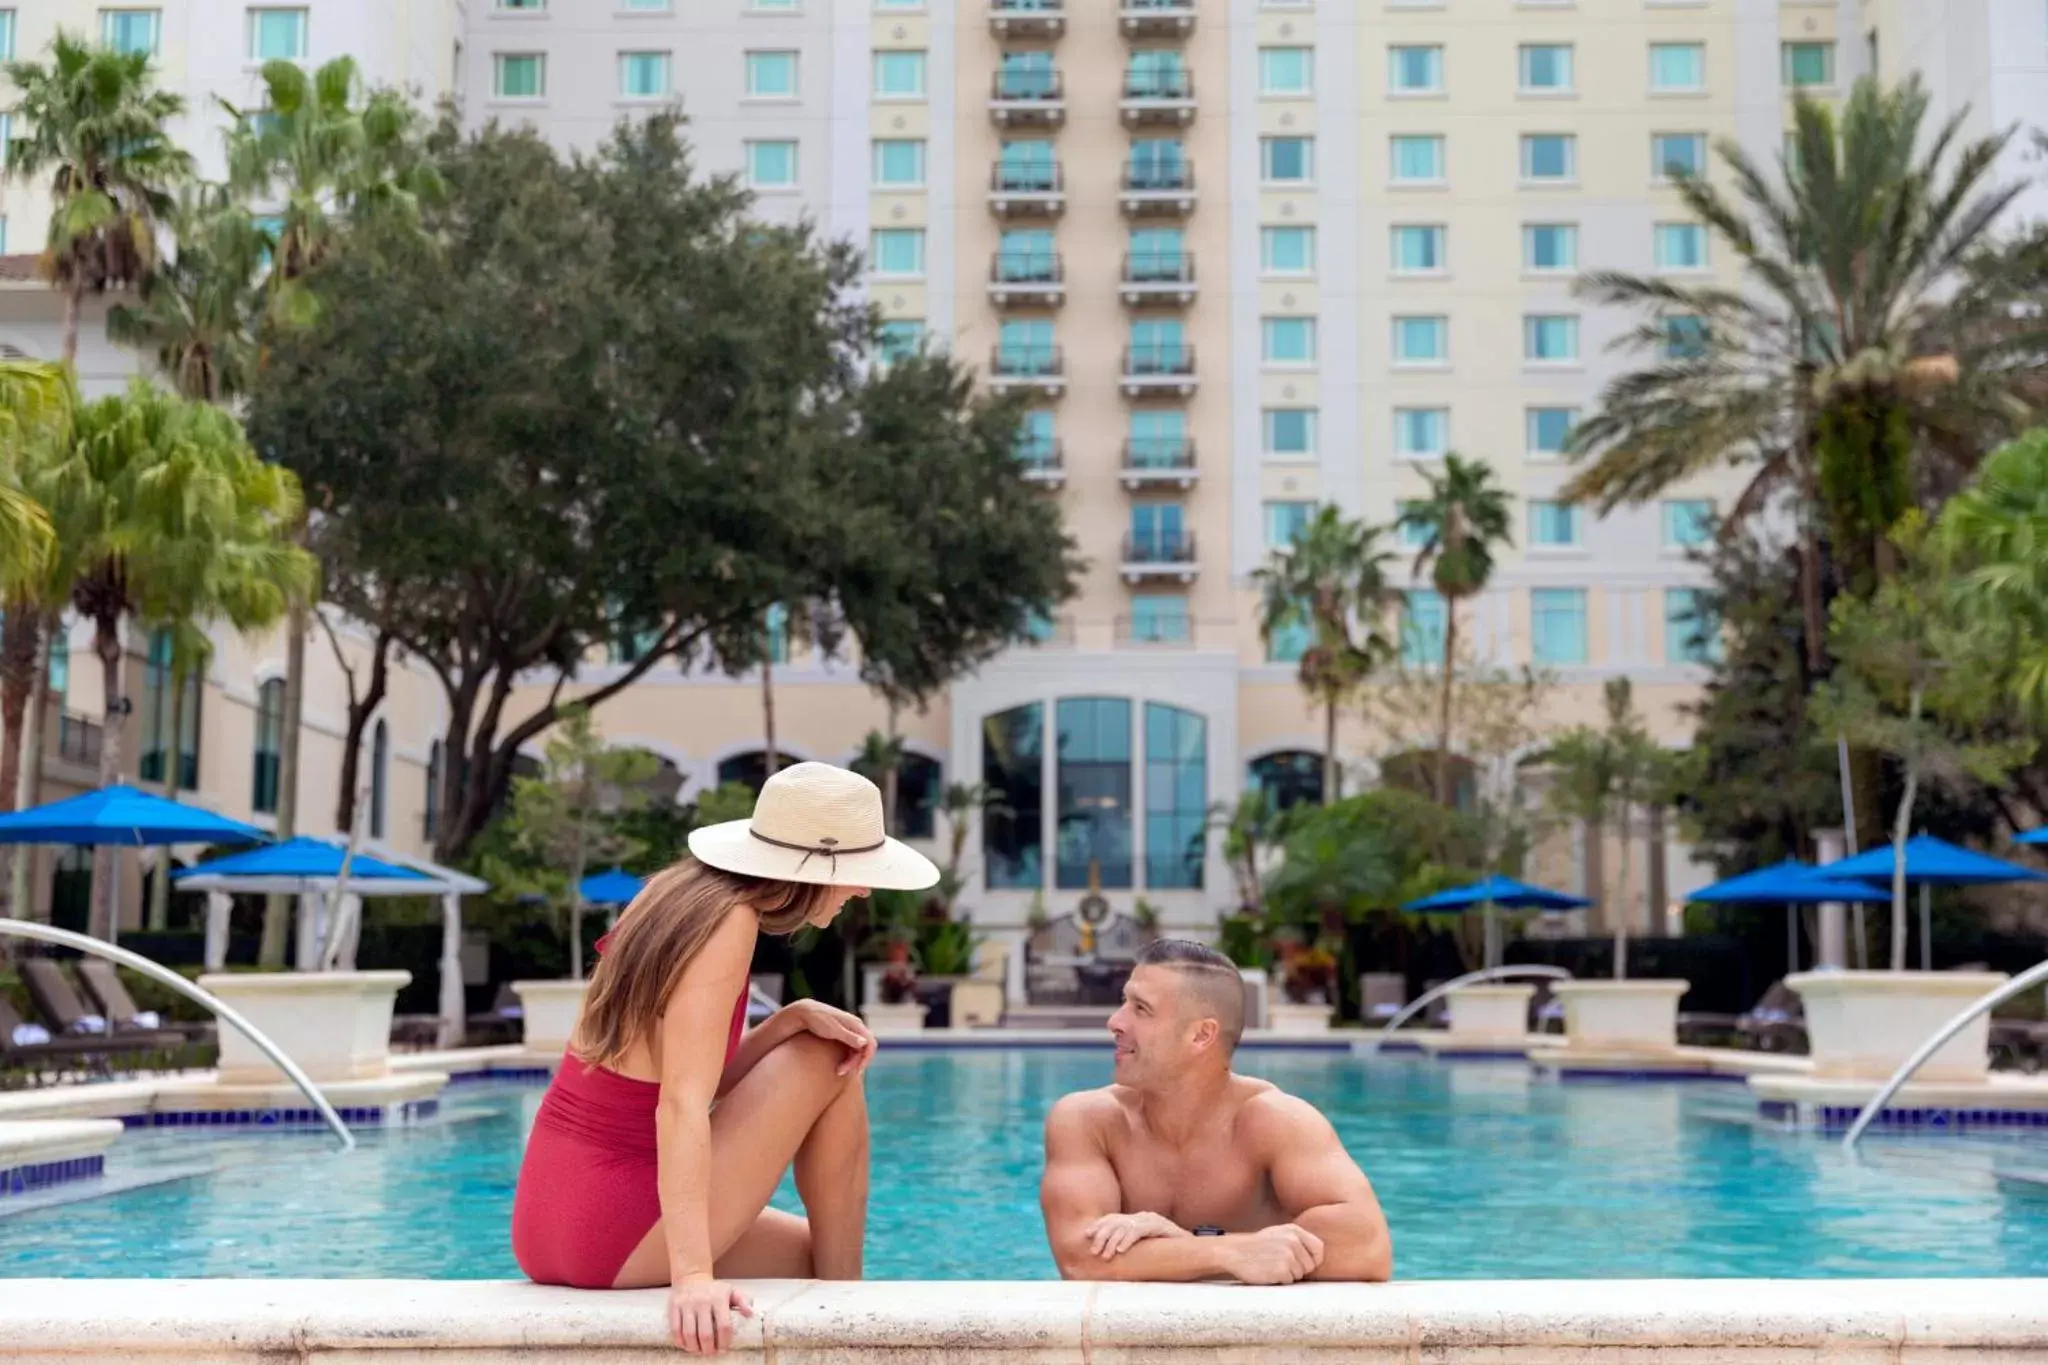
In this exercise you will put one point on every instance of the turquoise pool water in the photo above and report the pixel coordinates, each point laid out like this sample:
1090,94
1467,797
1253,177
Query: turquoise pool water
1485,1172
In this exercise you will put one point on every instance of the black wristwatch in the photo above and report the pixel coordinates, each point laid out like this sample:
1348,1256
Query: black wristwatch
1208,1230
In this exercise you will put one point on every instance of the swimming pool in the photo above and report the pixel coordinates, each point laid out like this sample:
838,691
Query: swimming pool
1485,1172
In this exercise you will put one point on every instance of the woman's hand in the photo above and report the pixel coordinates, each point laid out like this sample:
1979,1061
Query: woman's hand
1113,1234
837,1026
700,1315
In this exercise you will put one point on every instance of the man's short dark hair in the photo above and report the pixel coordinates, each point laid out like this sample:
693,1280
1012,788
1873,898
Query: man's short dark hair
1214,984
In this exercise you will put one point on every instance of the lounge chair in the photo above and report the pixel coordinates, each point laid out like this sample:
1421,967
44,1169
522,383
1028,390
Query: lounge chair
42,1060
1381,996
500,1023
64,1010
1775,1023
107,991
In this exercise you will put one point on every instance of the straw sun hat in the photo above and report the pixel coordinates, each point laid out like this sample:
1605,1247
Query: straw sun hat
815,823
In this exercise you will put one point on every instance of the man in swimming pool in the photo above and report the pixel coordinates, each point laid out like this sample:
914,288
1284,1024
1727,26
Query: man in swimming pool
1183,1170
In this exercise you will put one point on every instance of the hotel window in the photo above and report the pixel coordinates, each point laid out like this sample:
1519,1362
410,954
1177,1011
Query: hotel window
519,76
1553,525
1285,521
1416,70
1026,75
1037,444
1549,428
522,6
1545,68
1680,246
277,35
1549,156
1675,154
1687,522
1422,628
896,251
1151,73
771,75
643,75
1288,433
899,4
1416,159
158,741
771,165
1158,163
1422,433
1685,337
131,31
1158,438
1013,763
1287,160
1421,340
1678,68
1808,64
269,746
1557,625
899,75
1286,70
1026,346
1159,531
899,338
774,6
1026,254
6,35
1692,635
1287,250
1550,338
1159,618
1418,250
1287,341
380,779
1176,797
1413,533
3,217
647,6
899,162
1550,246
1092,826
1290,637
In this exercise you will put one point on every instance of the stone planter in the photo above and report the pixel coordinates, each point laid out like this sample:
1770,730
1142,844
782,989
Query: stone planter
1290,1020
1862,1025
1258,998
1490,1013
907,1017
549,1011
335,1025
1621,1016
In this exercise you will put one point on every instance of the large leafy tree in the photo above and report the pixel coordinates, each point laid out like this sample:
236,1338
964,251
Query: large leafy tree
92,124
1330,587
596,396
1463,522
1868,353
1995,535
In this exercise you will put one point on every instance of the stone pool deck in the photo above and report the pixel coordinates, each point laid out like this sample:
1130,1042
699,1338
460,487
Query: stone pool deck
1528,1322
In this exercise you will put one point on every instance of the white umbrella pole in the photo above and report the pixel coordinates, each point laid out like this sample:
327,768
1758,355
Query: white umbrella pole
1926,927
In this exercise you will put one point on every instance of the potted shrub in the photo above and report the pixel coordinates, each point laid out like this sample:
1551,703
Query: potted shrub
898,1010
1308,978
1146,915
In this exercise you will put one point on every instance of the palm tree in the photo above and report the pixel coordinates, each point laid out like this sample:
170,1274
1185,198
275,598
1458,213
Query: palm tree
196,313
1872,328
1462,521
881,760
331,156
1994,536
1331,582
96,127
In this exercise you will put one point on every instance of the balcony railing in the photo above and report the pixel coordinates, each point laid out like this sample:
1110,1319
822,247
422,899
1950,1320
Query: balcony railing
1037,187
1027,267
1149,632
76,740
1159,551
1028,365
1157,187
1027,96
1044,17
1158,277
1043,460
1141,18
1160,360
1151,96
1159,459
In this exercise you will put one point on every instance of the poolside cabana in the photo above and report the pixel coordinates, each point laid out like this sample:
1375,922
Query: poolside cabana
310,869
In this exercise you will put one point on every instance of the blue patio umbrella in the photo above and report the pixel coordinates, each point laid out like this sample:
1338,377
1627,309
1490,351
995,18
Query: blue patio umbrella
1493,893
1931,862
1791,884
126,816
616,887
2032,836
300,864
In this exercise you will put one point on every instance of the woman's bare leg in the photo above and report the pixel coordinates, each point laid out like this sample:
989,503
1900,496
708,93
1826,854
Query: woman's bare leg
792,1107
777,1247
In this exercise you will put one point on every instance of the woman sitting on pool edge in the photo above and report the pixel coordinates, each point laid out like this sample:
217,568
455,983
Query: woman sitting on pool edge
668,1124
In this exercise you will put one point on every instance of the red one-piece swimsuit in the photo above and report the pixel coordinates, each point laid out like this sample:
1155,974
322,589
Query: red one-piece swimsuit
587,1194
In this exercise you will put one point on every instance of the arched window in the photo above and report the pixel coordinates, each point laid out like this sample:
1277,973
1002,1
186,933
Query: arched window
430,819
1094,784
1176,797
1290,778
1416,771
1013,765
380,775
269,747
919,783
750,769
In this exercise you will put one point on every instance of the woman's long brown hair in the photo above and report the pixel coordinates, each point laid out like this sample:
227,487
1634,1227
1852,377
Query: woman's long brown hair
660,934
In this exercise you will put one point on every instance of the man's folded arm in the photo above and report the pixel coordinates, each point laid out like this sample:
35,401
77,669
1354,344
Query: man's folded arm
1323,1190
1080,1186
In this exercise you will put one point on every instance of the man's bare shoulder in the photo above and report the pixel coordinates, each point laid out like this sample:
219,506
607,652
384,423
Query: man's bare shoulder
1085,1111
1272,1116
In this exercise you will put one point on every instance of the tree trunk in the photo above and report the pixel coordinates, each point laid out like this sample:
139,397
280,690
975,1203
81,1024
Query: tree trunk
29,781
1814,623
20,641
767,717
889,772
1621,911
360,709
1901,826
1595,889
107,644
1443,705
1656,885
1333,774
576,863
277,909
160,887
74,303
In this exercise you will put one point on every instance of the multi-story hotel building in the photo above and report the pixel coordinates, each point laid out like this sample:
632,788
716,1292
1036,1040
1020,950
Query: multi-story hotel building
1243,256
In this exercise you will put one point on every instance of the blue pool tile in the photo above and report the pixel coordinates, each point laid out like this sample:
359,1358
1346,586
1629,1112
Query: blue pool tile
42,1174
